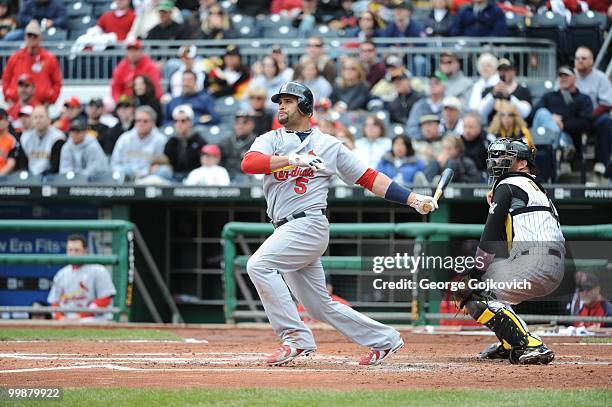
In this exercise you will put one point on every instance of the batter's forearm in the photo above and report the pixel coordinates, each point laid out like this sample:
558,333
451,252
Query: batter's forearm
382,186
258,163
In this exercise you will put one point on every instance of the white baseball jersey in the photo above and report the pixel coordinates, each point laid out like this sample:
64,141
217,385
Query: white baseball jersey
299,189
535,222
77,287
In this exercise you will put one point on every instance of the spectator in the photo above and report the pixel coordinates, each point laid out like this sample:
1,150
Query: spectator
135,63
139,152
487,69
23,122
430,144
313,80
253,7
148,16
593,302
451,116
95,128
143,90
566,111
118,21
601,6
474,140
457,84
374,143
188,62
453,157
481,19
167,29
270,79
183,149
9,147
46,13
262,116
81,286
384,89
210,173
201,102
231,78
344,18
42,144
234,148
82,155
315,51
7,20
351,91
72,110
345,136
375,68
37,62
368,27
401,164
290,7
439,20
216,26
432,104
594,83
327,125
306,19
506,89
124,110
400,108
285,71
508,123
403,26
25,95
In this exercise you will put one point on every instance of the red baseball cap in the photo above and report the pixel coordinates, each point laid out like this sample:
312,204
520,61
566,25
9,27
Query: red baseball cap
72,102
25,78
211,149
135,44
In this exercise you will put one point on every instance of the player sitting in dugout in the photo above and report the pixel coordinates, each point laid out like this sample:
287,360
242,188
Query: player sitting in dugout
523,229
81,286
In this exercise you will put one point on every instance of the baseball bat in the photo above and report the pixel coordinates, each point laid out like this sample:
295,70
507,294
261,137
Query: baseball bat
445,179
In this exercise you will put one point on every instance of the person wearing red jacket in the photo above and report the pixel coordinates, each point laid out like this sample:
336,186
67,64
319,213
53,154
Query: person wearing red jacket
119,20
25,96
135,63
37,62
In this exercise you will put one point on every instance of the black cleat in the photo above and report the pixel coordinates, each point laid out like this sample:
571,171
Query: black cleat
532,355
495,351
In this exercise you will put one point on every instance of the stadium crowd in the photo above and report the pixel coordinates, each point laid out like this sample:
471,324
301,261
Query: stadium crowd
410,122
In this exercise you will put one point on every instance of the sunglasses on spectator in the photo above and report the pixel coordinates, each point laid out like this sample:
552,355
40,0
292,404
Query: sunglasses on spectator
24,84
446,61
257,97
143,120
217,13
182,120
368,49
507,114
314,45
581,58
31,35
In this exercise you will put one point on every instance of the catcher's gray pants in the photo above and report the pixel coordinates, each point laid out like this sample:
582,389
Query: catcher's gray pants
294,251
542,270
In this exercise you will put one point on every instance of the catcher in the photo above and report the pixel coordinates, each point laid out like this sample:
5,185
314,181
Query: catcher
522,226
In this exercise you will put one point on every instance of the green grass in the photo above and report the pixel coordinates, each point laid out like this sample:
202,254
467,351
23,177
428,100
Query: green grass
281,397
597,340
84,334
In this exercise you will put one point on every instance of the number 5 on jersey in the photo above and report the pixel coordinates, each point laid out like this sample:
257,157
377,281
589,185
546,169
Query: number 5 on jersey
300,185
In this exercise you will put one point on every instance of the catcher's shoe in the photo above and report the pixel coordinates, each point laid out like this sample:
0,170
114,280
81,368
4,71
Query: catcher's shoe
376,357
532,355
286,354
495,351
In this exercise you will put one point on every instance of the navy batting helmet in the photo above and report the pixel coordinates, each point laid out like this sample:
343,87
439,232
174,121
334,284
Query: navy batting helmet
304,95
502,154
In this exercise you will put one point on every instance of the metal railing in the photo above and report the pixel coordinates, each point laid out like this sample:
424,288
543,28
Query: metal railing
535,58
421,232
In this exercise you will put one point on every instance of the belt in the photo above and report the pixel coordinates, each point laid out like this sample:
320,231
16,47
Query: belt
298,215
535,251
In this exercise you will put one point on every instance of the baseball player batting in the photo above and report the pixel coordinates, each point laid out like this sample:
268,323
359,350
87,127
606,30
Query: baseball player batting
298,163
526,223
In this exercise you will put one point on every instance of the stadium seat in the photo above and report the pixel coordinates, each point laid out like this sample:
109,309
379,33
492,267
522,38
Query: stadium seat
101,8
79,25
546,156
515,24
549,26
80,8
240,20
54,34
273,20
214,134
227,107
324,31
586,29
283,31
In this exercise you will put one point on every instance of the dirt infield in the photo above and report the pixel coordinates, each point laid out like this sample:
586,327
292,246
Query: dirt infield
223,358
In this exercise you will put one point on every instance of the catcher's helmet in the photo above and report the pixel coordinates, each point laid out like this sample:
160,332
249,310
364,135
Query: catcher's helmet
304,95
502,154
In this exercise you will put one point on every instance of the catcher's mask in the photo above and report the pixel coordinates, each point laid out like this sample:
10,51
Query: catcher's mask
504,152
